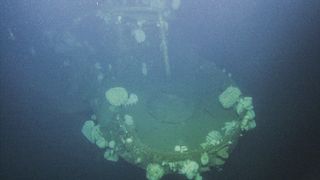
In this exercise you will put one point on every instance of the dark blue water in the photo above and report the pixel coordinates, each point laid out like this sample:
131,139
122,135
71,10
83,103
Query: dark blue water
270,47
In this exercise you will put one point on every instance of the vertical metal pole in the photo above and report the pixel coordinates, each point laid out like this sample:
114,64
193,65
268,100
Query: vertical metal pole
163,44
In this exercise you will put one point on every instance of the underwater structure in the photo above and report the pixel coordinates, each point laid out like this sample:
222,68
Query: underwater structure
170,136
172,127
142,19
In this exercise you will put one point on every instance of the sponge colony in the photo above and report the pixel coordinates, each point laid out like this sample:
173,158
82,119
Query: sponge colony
154,172
117,96
229,97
